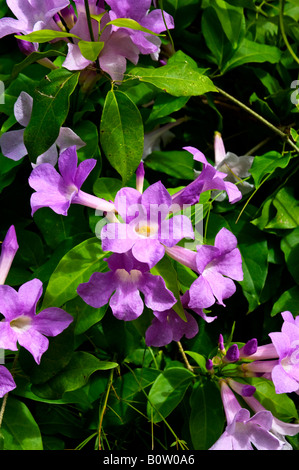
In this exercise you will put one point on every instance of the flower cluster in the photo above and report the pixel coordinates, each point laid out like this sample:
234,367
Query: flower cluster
107,33
231,369
21,324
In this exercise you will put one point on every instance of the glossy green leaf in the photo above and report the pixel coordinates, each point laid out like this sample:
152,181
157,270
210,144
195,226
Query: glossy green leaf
50,109
168,391
74,376
45,35
266,164
19,429
287,210
174,163
207,420
73,269
131,24
121,133
289,300
90,49
178,79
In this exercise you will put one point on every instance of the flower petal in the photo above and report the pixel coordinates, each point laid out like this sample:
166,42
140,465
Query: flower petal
52,321
12,145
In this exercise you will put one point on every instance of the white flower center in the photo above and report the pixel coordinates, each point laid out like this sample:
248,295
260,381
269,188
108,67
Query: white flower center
146,230
23,322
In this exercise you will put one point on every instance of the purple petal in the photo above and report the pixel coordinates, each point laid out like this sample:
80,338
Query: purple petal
9,302
97,291
222,287
292,331
201,294
175,229
12,145
74,59
67,164
7,382
197,154
83,171
155,21
233,192
49,156
45,178
23,108
148,251
226,241
127,203
11,26
8,250
230,265
156,198
57,202
159,333
29,294
67,138
283,383
126,261
117,237
34,342
126,303
205,255
8,337
52,321
281,343
135,9
156,295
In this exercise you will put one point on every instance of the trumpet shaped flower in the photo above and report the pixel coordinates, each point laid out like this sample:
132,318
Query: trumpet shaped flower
236,168
7,382
121,287
242,430
12,142
22,325
59,191
217,266
9,248
148,232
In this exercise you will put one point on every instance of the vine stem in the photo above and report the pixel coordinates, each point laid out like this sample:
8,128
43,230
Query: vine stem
189,367
283,33
260,118
88,19
104,407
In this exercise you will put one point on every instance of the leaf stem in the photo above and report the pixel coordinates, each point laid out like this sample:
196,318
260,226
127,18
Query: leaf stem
275,129
104,407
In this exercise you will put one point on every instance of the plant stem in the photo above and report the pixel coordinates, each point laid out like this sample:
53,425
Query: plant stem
284,136
88,19
189,367
104,407
3,408
284,36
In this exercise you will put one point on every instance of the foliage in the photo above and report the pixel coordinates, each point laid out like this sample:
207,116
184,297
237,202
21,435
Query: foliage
230,68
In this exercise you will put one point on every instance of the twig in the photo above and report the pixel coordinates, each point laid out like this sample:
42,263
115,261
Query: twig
189,367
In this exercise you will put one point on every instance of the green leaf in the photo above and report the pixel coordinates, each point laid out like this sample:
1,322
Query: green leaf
280,405
166,270
178,79
90,49
207,418
266,164
19,429
45,35
74,376
73,269
131,24
290,248
107,188
168,391
174,163
50,109
252,52
289,300
121,133
231,18
32,58
287,210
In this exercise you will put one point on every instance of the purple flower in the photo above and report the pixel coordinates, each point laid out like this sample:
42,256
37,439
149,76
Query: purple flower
242,430
138,10
217,266
12,142
21,323
279,428
32,15
285,375
121,287
7,382
148,232
9,248
208,179
60,191
236,168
